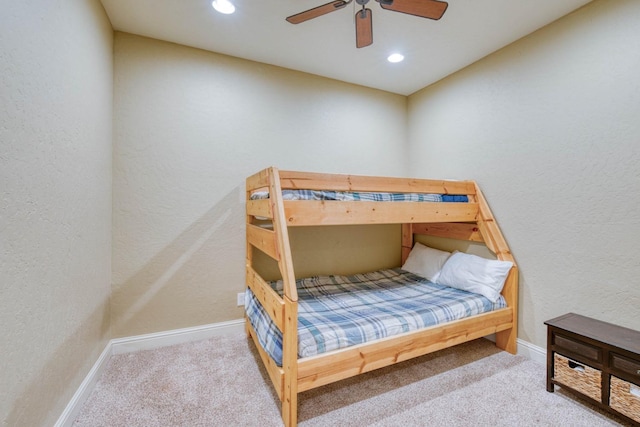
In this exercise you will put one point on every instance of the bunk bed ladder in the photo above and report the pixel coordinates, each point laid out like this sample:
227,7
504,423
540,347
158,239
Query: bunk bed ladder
284,311
290,340
290,297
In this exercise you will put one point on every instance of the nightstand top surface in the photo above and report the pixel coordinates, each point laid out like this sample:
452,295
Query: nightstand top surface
617,336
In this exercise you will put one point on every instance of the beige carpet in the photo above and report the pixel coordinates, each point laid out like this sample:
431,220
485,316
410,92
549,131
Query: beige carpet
220,382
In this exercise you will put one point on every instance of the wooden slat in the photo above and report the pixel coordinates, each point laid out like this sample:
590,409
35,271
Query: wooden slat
276,374
490,231
457,230
269,299
338,182
330,367
258,180
263,239
487,231
260,208
301,213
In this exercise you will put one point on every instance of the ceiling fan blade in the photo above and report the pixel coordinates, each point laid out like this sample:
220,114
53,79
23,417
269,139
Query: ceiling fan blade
364,28
432,9
317,11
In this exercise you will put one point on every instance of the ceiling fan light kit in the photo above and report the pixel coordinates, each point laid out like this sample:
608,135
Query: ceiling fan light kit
431,9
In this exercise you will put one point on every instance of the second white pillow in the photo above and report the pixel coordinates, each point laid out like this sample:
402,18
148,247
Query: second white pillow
475,274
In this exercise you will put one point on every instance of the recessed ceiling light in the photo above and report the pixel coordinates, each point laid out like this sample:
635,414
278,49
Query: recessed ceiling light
395,57
223,6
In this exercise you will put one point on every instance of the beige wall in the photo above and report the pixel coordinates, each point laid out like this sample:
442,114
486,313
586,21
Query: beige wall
549,128
55,202
189,127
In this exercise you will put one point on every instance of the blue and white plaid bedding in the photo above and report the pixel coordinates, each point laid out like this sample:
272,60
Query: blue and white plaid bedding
340,311
360,196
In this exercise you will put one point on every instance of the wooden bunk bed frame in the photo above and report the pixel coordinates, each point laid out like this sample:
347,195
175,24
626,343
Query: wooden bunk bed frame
471,221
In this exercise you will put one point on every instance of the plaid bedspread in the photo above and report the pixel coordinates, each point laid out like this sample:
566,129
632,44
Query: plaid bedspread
340,311
357,196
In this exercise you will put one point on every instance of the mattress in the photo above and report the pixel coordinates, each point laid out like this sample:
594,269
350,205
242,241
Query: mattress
336,312
362,196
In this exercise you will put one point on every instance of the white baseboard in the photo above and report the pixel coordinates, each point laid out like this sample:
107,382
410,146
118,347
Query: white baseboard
176,336
526,349
532,351
86,387
137,343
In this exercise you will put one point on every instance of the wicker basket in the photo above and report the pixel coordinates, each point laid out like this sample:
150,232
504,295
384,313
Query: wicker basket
578,376
624,399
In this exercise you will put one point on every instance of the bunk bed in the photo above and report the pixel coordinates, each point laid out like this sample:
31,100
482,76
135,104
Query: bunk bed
277,200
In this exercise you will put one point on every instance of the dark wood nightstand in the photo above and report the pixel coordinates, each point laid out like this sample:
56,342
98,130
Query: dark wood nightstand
596,360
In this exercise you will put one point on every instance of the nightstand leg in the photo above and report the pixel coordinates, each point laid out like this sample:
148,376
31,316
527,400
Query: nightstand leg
550,386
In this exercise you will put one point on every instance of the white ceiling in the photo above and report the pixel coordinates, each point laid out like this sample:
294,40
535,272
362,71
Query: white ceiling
468,31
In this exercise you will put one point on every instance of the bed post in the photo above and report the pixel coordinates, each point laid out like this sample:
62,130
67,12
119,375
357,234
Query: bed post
507,340
249,255
290,297
290,363
407,241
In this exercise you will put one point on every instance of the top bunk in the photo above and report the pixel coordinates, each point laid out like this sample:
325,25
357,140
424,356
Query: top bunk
333,199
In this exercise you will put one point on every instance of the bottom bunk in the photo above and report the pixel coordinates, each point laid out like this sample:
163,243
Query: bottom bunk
348,325
336,312
337,365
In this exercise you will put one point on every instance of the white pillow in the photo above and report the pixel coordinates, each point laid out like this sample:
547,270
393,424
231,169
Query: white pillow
475,274
425,261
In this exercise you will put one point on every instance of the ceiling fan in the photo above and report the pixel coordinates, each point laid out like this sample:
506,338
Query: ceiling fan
432,9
